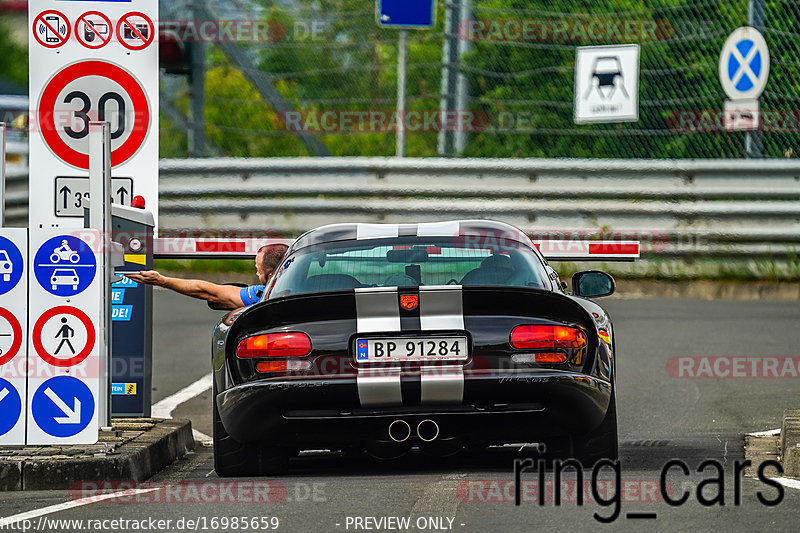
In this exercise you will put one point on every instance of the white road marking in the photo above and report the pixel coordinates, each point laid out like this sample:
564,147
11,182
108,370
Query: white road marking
788,482
9,521
167,406
769,433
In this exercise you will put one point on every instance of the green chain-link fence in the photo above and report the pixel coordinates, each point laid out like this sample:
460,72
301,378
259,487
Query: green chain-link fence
331,57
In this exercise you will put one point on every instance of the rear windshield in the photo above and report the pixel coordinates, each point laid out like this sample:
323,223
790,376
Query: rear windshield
407,261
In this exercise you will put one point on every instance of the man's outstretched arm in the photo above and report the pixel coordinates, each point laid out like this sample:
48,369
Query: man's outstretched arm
226,295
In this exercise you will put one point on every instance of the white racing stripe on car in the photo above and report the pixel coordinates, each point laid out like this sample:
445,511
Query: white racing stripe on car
442,384
441,307
376,231
439,229
377,309
379,387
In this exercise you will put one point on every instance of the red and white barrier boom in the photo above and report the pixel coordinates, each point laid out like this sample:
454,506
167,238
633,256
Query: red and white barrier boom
553,250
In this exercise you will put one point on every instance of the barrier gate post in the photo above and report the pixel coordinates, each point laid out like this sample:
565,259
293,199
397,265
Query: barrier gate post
100,219
2,174
132,316
131,356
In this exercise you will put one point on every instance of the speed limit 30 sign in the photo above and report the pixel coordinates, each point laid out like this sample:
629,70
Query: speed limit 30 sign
104,67
93,90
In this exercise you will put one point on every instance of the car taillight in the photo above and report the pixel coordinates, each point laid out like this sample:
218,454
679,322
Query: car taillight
548,357
541,337
275,345
283,366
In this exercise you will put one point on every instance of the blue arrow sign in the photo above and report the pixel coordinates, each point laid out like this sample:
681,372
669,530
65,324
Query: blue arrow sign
10,407
63,406
64,266
11,265
406,13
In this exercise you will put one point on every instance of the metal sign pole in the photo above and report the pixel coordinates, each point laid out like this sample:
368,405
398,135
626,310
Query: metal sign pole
2,174
754,140
402,60
100,220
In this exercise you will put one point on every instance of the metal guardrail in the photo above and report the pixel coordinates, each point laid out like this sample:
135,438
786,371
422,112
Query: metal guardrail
676,208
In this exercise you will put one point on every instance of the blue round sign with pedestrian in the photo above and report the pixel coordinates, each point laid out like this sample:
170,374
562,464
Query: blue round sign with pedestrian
63,406
10,407
11,265
65,266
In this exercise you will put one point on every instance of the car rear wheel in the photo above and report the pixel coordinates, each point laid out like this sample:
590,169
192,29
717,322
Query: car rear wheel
601,442
236,459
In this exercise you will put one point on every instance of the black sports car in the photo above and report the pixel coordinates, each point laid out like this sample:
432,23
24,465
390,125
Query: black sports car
437,336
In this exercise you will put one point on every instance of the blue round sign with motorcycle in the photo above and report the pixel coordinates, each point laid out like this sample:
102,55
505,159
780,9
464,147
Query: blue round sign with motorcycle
65,266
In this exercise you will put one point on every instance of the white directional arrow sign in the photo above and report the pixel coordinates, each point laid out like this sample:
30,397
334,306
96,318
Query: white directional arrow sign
73,415
3,394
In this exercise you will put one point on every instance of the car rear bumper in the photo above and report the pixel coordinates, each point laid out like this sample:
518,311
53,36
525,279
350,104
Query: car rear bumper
496,408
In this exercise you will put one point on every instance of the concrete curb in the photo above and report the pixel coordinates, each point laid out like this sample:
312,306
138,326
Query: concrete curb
790,443
135,460
782,445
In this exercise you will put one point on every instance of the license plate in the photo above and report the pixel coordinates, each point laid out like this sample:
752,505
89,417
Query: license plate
412,349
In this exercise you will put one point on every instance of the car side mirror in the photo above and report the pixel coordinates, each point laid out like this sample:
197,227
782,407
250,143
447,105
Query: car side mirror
220,307
593,284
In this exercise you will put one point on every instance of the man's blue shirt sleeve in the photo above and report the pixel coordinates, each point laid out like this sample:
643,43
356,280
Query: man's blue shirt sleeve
252,294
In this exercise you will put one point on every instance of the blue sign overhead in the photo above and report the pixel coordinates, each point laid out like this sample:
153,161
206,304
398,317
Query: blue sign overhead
63,406
406,13
10,407
64,266
11,265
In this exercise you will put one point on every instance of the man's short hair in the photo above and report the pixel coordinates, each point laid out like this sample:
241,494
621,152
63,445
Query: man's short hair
273,253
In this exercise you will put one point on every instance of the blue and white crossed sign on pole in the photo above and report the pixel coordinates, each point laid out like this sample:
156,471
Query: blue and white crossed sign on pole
10,407
65,266
744,64
63,406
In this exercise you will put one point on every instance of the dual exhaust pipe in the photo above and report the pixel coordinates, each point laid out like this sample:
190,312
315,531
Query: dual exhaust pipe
400,430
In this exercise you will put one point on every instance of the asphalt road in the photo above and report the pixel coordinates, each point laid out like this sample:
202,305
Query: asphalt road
661,417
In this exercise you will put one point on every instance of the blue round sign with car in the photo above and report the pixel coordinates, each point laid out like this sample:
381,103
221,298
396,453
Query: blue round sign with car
11,265
65,266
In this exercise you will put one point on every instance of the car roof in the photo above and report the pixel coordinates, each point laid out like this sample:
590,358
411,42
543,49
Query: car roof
487,229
